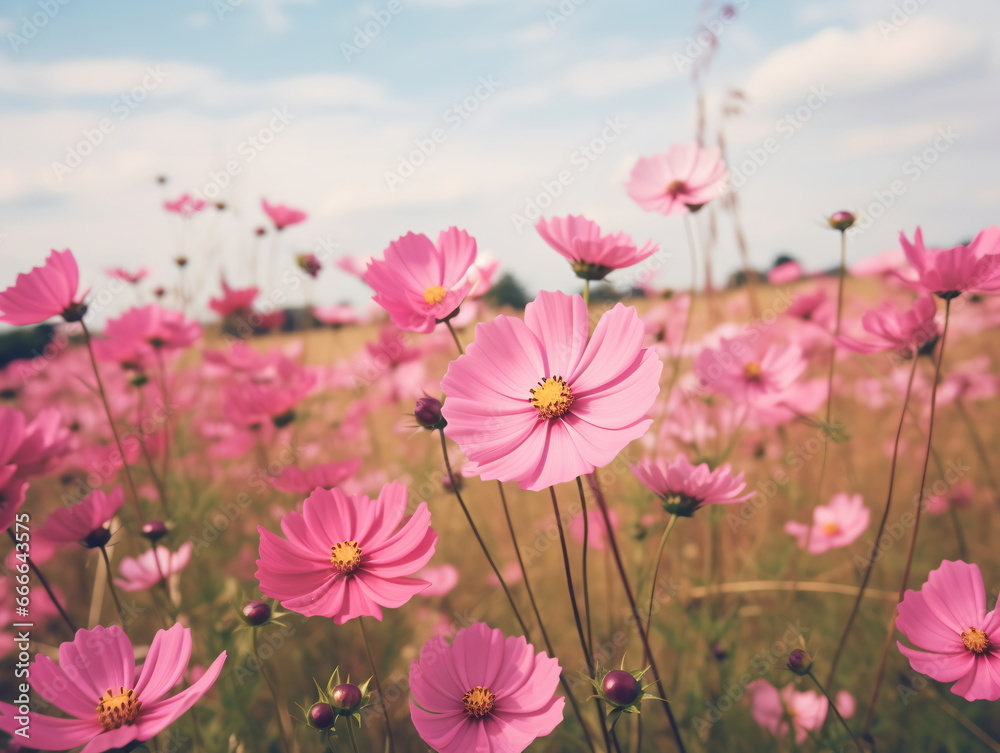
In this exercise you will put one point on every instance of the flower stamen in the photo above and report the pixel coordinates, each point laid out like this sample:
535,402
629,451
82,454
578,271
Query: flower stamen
434,295
976,641
553,397
346,556
753,372
479,702
114,711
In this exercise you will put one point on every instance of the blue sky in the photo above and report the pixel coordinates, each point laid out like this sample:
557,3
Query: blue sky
909,100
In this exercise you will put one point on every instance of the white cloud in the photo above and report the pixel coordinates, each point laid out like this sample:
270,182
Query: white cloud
603,77
199,20
851,62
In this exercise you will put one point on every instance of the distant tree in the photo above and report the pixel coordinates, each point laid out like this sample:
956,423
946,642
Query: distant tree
507,292
24,342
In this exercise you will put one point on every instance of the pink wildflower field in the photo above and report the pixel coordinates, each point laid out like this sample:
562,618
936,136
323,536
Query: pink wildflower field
288,468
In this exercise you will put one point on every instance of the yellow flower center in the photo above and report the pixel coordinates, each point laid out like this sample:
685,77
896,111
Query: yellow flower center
976,641
753,372
346,556
114,711
831,528
552,397
479,701
434,295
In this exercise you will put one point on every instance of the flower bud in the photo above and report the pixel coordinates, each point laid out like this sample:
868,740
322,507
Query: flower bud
97,538
321,716
800,662
621,688
428,413
256,613
840,220
346,697
154,530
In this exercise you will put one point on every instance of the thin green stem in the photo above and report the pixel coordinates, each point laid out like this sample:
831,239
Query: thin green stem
836,711
916,526
378,684
656,567
586,579
45,584
878,535
479,538
111,422
114,591
569,582
538,616
586,294
352,737
623,574
454,336
977,443
275,696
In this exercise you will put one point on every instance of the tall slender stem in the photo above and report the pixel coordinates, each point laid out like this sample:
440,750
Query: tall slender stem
569,582
878,535
275,696
45,585
165,394
586,294
656,568
623,574
378,684
114,591
586,579
479,538
538,616
352,736
977,443
454,336
836,711
916,526
111,422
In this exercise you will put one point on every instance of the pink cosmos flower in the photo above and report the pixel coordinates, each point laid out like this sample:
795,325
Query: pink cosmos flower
152,566
592,254
294,480
905,331
836,524
78,522
541,402
685,488
110,701
346,556
27,449
154,328
772,708
785,273
44,292
484,693
959,497
683,180
233,300
281,215
421,283
442,579
753,371
186,205
337,315
120,273
950,272
948,618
